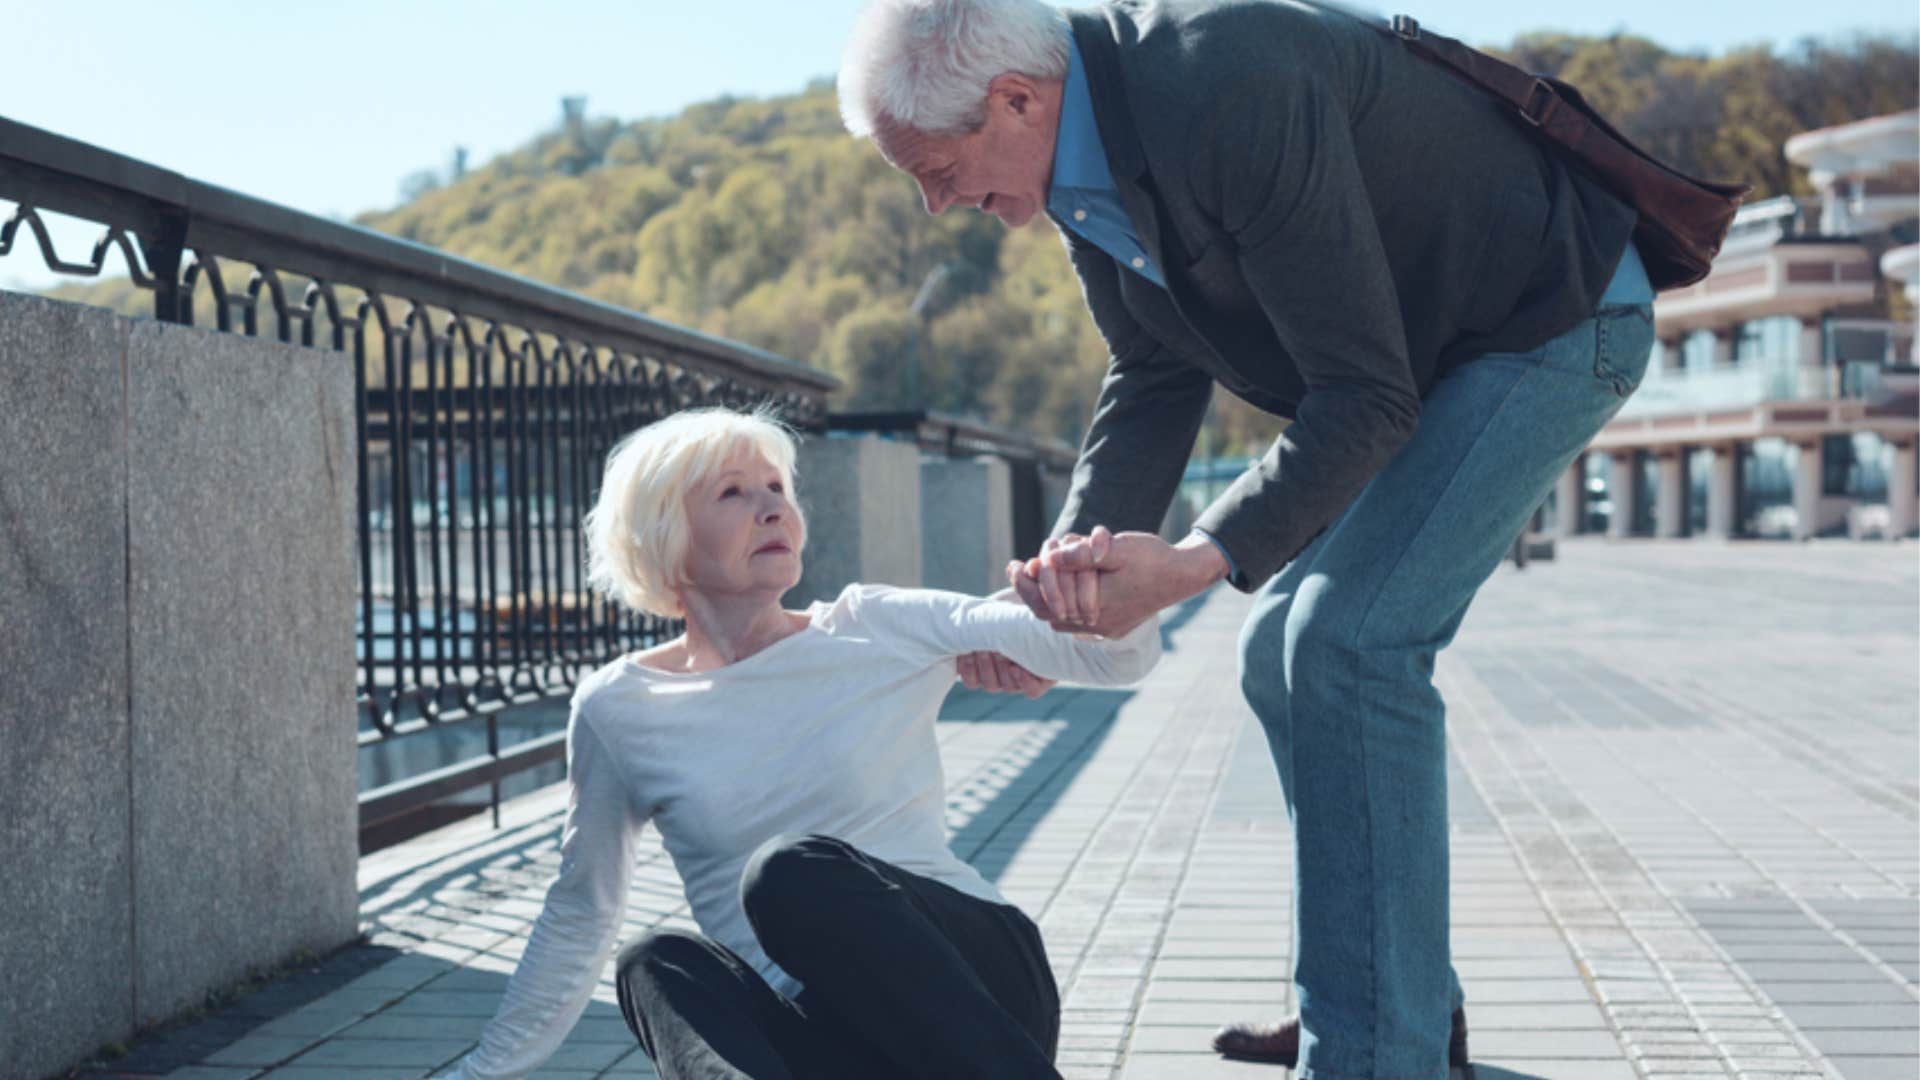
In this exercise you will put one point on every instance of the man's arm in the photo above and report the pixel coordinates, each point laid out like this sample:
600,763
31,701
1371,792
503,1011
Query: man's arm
1277,165
1148,415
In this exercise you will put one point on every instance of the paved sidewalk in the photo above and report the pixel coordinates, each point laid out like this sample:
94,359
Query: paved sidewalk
1686,834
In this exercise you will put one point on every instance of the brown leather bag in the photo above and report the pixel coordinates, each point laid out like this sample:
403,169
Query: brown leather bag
1683,220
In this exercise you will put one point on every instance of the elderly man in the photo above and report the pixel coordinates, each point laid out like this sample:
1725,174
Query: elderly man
1281,199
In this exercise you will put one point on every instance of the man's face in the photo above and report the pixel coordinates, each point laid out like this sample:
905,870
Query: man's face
1002,169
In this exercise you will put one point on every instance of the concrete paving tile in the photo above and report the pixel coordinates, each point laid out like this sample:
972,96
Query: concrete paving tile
1882,992
392,1025
1526,991
635,1064
1219,968
307,1022
1575,1043
584,1055
1892,1017
1855,1042
1550,1069
446,1003
384,1053
1487,1016
1769,971
340,1073
1874,1068
260,1050
1202,1014
1146,1066
1171,1040
1244,991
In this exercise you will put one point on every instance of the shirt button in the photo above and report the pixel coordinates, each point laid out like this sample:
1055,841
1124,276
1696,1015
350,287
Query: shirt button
1079,215
1138,262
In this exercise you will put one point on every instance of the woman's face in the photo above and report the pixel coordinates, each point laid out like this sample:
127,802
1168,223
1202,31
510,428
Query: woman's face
744,534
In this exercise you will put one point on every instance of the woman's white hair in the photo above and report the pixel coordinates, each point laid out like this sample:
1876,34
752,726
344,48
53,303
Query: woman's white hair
925,64
637,532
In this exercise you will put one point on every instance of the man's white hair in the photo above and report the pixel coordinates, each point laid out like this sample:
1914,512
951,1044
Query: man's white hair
637,532
925,64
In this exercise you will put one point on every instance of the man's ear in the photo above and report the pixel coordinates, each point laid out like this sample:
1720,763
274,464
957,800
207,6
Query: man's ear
1013,92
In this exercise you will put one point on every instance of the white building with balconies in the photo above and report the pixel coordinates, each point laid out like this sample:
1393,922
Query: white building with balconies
1782,400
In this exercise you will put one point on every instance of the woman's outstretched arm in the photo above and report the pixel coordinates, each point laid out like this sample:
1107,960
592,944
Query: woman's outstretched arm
579,921
933,626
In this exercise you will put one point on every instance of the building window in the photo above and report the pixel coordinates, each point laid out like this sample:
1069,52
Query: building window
1836,464
1766,488
1696,351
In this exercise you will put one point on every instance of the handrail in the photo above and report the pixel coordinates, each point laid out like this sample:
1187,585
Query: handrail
167,213
958,434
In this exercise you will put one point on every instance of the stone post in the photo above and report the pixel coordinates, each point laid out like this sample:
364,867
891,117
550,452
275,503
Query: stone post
1722,492
1568,501
1670,514
1901,498
1806,490
1621,488
966,521
861,498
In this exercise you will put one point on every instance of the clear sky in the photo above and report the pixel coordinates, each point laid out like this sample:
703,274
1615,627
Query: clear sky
325,107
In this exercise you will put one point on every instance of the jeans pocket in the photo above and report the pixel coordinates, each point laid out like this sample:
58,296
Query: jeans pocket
1623,345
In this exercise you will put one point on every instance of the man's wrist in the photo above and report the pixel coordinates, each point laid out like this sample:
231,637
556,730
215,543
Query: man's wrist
1202,562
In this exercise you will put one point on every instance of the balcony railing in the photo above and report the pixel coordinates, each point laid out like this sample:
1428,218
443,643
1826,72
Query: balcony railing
1751,383
485,404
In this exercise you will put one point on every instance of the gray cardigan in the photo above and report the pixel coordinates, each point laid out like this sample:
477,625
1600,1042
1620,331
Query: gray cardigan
1339,224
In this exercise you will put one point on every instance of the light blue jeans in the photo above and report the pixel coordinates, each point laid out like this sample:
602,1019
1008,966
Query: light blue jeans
1337,662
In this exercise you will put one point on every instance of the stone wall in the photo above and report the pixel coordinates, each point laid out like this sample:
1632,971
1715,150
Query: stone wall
178,807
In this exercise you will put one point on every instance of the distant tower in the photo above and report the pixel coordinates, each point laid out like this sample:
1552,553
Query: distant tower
573,115
459,167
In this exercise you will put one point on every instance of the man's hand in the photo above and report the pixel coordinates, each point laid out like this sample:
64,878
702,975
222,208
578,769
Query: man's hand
1132,576
1071,595
996,674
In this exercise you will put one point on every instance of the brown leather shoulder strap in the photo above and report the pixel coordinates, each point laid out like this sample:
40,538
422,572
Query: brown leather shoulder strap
1533,96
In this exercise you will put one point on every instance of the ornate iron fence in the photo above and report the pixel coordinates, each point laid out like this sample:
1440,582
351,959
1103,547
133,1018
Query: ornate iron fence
485,404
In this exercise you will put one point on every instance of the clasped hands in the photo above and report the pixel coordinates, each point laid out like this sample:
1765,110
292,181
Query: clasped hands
1103,583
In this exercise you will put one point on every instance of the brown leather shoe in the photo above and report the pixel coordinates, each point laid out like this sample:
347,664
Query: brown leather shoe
1279,1043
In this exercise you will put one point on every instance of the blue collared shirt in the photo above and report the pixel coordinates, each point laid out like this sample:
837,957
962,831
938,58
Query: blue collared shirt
1082,193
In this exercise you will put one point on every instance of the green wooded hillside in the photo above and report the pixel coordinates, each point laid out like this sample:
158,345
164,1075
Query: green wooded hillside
761,220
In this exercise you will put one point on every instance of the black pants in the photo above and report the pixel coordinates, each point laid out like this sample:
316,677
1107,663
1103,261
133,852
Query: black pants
904,977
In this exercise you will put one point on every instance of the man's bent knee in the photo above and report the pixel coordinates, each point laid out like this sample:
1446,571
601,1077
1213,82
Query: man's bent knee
1262,667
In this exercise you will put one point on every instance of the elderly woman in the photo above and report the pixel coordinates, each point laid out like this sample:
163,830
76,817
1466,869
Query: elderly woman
790,763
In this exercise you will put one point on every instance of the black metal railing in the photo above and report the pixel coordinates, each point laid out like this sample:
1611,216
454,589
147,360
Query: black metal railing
1031,461
484,405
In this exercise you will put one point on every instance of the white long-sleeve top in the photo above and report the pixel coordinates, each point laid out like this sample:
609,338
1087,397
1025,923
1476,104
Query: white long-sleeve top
829,730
